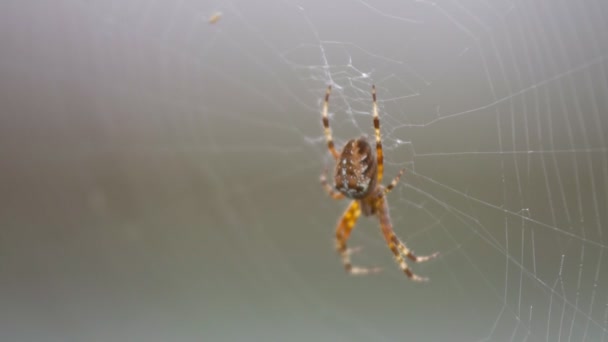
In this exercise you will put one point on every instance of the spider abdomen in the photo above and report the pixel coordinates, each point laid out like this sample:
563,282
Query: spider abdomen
356,169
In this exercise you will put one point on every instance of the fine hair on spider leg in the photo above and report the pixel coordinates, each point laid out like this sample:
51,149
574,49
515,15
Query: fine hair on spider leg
358,176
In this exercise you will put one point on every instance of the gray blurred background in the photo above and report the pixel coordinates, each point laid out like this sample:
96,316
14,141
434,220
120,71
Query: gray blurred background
160,172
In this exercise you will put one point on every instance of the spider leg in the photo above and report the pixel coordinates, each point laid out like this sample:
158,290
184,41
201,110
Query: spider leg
394,182
396,246
379,153
325,118
328,188
345,226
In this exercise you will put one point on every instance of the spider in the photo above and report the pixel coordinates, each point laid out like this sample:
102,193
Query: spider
358,176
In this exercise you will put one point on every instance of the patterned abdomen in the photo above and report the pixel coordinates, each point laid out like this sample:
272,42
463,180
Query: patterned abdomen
355,169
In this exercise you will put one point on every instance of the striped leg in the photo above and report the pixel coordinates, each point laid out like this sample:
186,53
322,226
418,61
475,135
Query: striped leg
379,153
328,188
345,226
392,185
396,246
328,137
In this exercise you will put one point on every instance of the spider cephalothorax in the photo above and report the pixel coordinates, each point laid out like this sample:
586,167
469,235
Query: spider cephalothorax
358,175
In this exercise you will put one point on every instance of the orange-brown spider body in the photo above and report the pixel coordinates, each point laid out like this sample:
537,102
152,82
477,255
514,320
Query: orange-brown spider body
356,168
358,176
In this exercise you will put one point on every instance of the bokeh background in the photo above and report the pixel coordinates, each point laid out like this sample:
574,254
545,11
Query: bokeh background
160,172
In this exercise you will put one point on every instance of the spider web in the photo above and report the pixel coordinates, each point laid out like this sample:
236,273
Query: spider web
166,158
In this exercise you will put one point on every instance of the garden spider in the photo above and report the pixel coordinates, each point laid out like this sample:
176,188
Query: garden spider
358,175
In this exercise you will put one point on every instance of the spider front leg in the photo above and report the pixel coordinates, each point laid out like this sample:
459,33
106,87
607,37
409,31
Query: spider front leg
395,245
345,226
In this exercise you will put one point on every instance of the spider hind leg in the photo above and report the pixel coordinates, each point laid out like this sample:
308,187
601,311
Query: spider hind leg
326,129
328,188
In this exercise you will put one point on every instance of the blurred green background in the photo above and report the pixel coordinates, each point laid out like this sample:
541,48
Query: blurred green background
160,173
